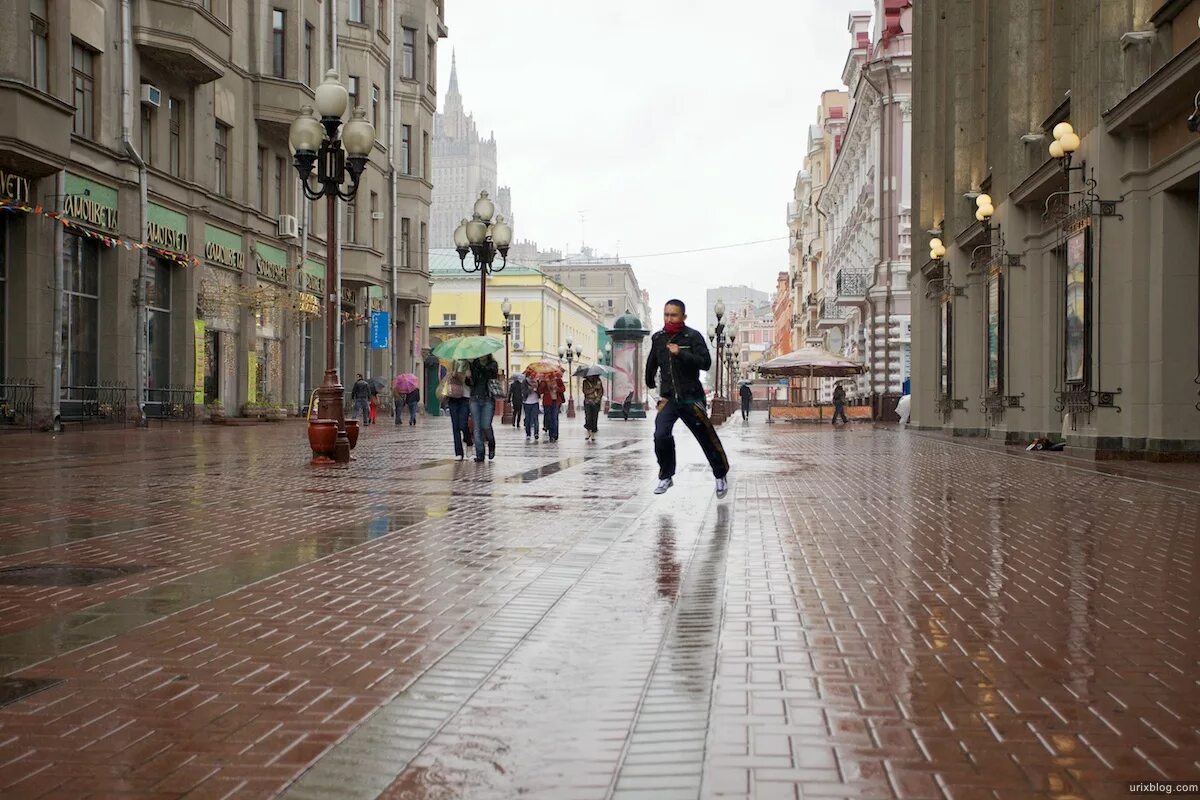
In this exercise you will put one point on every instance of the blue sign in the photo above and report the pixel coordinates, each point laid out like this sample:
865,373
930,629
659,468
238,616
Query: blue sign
783,381
379,330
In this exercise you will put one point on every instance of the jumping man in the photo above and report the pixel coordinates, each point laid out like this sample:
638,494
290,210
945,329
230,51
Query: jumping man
679,353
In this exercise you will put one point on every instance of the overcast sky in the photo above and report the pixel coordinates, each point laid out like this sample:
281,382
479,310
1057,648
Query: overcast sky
671,124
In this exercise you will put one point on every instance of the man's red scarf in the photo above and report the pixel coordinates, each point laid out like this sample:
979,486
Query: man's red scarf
673,328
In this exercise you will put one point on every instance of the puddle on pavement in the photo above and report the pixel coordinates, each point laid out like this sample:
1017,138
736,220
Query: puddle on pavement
52,637
14,689
537,473
64,574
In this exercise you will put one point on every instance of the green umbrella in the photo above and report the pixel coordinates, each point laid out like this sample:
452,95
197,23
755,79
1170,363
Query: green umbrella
466,348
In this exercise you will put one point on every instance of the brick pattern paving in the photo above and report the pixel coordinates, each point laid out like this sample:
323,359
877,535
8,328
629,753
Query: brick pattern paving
870,614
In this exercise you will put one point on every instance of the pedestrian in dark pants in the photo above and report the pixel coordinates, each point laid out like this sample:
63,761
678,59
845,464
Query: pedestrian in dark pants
530,402
516,398
552,390
360,395
677,355
747,396
625,407
459,407
839,405
593,396
483,405
412,400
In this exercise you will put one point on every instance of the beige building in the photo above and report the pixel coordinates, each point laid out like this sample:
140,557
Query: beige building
160,139
809,232
1073,312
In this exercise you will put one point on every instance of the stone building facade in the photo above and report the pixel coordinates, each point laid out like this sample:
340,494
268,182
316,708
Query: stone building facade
212,282
1073,311
864,304
464,164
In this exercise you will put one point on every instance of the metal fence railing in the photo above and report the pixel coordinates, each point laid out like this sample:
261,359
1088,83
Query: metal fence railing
16,402
175,402
107,401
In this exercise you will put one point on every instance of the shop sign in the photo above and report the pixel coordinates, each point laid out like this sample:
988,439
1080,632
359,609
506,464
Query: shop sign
312,278
376,298
350,297
252,376
14,186
90,202
223,248
198,396
166,229
379,330
270,263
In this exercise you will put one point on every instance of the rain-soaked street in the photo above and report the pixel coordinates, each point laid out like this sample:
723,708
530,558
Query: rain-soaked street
870,613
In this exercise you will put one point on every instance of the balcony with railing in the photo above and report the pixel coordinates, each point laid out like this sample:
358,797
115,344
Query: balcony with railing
832,315
852,286
184,37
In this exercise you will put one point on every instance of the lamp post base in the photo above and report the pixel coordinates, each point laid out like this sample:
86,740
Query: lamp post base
571,408
330,406
506,418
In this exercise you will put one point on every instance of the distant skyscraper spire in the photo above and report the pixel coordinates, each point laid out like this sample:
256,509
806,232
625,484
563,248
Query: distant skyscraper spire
453,73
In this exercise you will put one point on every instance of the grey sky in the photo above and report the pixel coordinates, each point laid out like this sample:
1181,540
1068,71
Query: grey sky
673,124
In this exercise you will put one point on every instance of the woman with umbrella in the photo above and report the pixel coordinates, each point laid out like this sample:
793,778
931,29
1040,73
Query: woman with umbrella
551,389
406,394
460,351
482,373
593,396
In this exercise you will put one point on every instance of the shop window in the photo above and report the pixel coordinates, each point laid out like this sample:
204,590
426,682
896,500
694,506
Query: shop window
158,301
81,356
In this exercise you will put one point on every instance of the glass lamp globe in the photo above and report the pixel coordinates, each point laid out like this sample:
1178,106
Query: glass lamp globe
358,135
506,307
501,233
306,134
1056,149
719,309
1062,129
1069,142
476,230
460,235
484,207
332,97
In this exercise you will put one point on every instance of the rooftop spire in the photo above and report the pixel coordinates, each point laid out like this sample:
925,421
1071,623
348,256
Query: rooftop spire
453,73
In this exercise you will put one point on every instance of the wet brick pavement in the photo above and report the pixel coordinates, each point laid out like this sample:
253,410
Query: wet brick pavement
869,614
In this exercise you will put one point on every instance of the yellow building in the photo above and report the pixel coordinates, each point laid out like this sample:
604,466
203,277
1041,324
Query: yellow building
544,312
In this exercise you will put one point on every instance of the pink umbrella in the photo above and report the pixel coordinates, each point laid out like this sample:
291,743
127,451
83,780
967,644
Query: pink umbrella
405,382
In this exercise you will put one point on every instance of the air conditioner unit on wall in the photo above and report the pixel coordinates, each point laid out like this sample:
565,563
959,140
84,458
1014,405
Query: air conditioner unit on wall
289,226
518,344
151,95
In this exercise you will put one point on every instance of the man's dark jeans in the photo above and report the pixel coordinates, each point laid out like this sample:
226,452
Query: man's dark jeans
696,419
839,409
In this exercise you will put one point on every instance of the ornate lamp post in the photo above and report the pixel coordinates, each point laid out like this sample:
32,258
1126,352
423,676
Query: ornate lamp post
570,353
716,335
337,161
483,239
506,310
608,363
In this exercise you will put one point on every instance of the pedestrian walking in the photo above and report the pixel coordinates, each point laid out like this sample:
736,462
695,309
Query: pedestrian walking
677,355
412,400
593,396
373,402
481,378
458,405
360,396
839,404
625,407
747,396
552,390
530,404
516,398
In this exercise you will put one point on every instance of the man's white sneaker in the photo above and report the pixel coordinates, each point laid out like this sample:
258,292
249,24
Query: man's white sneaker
663,485
722,487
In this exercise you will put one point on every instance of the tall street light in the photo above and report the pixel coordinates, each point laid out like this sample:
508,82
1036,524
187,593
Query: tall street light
570,353
483,239
716,335
337,162
608,363
506,310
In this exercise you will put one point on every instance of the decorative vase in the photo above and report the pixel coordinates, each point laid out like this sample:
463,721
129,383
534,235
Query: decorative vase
352,432
322,435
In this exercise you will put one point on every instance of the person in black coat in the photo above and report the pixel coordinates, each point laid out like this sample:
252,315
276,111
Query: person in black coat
746,396
677,355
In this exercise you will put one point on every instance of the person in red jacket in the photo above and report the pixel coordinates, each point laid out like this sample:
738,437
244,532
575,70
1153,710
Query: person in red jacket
552,389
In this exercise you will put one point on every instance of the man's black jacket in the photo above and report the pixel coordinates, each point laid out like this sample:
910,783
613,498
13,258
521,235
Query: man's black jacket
678,376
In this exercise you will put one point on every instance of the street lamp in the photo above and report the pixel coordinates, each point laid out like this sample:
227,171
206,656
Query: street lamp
716,335
483,239
570,353
608,363
316,143
506,310
1066,142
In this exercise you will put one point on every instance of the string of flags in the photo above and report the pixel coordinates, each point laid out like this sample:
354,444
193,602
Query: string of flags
182,259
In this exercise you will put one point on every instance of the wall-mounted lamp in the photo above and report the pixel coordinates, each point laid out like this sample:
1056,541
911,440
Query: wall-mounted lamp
937,250
984,208
1065,143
